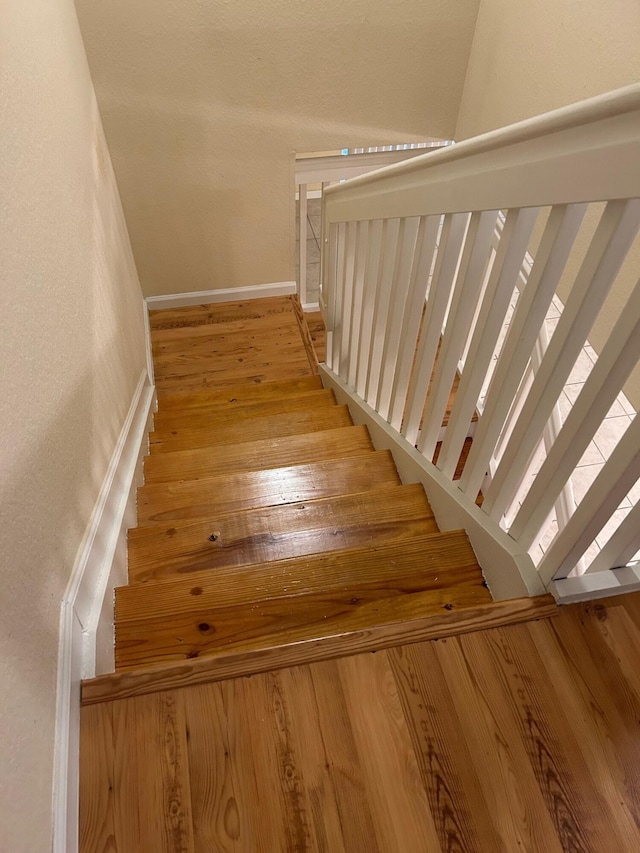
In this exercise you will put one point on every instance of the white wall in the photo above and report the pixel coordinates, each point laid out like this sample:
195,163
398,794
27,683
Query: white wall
204,102
72,350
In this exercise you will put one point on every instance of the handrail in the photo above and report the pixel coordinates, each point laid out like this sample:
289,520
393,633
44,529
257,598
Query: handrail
606,106
421,233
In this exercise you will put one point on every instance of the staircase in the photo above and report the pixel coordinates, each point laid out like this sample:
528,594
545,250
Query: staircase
270,531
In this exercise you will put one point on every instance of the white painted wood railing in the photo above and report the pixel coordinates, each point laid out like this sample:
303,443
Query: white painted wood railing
315,173
416,288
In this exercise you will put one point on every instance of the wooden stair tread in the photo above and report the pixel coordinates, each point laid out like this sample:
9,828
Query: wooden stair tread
220,312
384,514
220,357
409,619
426,560
184,339
239,393
184,636
163,502
231,413
212,374
257,455
253,429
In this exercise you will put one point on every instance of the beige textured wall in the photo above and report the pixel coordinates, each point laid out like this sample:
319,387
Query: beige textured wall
530,57
205,100
72,350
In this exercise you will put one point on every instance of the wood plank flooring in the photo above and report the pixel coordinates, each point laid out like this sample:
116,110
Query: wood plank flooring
521,738
276,549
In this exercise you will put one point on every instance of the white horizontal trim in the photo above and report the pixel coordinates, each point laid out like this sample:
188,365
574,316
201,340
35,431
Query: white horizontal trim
597,584
310,306
227,294
99,560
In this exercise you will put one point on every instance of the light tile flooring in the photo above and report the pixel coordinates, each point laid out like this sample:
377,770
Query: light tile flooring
313,248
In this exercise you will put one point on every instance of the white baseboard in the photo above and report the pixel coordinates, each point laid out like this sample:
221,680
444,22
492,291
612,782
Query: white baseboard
87,608
228,294
310,306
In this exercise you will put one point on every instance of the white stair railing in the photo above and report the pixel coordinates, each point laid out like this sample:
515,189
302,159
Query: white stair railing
423,233
316,172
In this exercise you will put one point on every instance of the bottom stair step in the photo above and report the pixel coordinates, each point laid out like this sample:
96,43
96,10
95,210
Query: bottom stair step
410,619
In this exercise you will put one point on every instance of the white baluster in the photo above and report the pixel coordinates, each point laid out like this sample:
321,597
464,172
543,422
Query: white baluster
390,234
408,337
511,251
610,487
550,260
610,244
362,244
452,240
618,358
347,295
368,300
302,242
341,256
623,545
397,307
329,279
463,306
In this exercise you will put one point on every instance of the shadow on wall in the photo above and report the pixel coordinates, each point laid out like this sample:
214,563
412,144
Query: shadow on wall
204,106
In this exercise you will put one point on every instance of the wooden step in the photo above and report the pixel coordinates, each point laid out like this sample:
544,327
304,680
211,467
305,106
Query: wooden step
223,312
183,339
182,618
382,515
253,429
392,622
164,502
219,357
257,455
239,394
212,374
420,563
215,416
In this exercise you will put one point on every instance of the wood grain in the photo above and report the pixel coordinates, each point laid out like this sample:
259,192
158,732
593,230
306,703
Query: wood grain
399,807
409,620
272,533
253,429
521,738
164,502
453,786
420,563
239,394
257,455
142,747
217,415
223,312
278,621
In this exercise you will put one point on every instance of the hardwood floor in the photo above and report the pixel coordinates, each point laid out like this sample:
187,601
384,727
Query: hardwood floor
264,697
522,738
